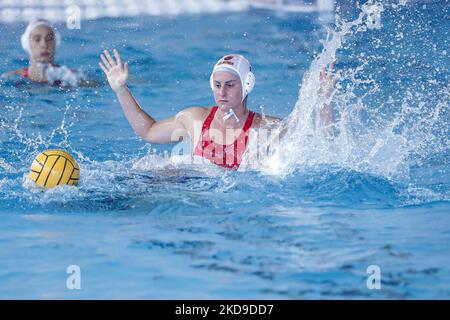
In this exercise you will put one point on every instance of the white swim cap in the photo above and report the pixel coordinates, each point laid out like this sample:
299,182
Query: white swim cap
25,39
238,65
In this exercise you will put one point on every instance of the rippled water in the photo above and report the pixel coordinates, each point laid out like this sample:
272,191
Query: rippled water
306,223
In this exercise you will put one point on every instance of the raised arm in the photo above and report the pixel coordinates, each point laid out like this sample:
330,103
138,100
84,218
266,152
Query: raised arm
165,131
327,89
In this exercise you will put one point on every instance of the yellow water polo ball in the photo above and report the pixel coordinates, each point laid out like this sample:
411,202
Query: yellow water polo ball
54,167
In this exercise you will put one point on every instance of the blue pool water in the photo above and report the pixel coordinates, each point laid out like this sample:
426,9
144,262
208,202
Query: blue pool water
305,224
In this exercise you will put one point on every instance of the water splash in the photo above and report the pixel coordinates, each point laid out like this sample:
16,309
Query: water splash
15,129
4,166
367,139
64,76
380,131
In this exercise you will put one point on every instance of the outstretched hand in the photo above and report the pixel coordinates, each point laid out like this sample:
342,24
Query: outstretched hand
116,72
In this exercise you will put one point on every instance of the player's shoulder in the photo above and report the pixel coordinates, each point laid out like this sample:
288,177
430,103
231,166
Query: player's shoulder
194,113
263,121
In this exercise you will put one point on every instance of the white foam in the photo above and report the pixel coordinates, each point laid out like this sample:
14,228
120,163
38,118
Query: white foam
5,166
65,75
380,148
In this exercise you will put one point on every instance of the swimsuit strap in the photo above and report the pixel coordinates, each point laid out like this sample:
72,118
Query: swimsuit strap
209,119
25,73
249,122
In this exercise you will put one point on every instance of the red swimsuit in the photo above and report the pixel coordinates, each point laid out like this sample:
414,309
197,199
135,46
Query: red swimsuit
25,72
228,155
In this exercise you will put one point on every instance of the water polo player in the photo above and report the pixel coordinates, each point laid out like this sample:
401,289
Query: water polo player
40,41
219,133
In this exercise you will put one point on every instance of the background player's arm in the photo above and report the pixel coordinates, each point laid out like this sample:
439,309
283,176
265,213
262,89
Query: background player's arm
9,74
